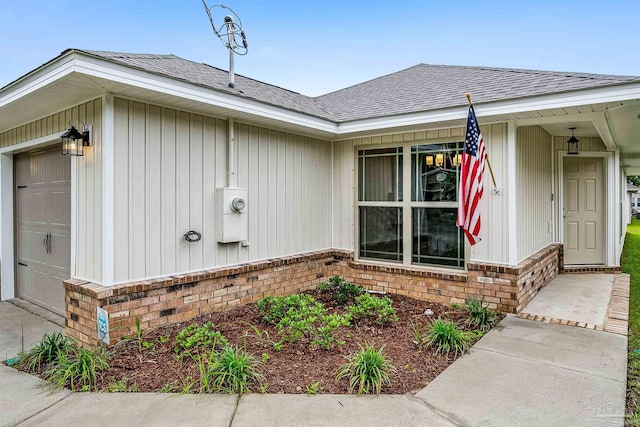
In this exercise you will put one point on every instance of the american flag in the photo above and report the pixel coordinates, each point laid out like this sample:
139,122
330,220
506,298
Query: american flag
473,161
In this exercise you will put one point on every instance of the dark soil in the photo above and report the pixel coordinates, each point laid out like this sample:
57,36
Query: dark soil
297,365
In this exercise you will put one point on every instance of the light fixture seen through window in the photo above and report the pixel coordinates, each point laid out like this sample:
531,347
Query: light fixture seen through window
455,160
572,143
74,141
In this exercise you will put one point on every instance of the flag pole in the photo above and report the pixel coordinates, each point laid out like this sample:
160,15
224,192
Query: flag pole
468,95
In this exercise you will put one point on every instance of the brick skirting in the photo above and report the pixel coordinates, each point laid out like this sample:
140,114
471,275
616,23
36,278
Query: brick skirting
183,297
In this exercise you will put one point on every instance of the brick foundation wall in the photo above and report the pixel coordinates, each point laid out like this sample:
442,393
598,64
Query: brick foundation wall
521,282
181,298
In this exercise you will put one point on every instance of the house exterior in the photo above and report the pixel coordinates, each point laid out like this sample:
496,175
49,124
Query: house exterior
196,197
633,199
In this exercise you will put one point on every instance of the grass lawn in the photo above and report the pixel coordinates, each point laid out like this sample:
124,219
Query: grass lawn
631,265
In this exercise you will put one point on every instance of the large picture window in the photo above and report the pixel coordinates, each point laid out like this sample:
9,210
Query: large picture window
431,174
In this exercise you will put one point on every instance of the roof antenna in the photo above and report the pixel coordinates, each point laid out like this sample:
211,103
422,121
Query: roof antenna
230,29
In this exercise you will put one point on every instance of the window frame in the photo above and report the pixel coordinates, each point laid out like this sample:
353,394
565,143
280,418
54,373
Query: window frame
406,206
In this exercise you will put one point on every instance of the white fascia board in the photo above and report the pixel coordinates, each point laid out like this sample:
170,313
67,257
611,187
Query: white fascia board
122,74
46,75
84,64
499,108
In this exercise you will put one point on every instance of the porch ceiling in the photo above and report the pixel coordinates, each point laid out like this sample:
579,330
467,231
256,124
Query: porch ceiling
616,123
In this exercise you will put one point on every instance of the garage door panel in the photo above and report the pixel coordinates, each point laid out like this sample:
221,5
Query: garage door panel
23,205
43,219
60,247
38,252
39,208
60,208
23,243
59,170
38,167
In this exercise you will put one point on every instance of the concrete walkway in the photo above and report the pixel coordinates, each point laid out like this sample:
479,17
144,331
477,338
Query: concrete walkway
521,373
22,325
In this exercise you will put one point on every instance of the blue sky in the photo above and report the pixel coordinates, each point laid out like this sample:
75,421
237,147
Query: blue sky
316,47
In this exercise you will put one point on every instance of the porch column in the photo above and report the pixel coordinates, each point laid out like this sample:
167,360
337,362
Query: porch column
511,190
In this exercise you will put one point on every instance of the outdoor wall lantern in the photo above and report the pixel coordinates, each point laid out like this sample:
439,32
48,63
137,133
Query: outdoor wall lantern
572,143
74,141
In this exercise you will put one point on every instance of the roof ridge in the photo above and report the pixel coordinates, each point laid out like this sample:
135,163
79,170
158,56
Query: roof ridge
577,74
367,81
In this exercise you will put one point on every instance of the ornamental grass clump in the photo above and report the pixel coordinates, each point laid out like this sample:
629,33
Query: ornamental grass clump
445,336
479,315
45,352
368,370
235,369
77,368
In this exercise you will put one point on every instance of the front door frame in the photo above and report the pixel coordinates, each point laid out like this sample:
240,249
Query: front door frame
7,195
609,194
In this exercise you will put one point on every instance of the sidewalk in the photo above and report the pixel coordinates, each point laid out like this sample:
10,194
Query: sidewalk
521,373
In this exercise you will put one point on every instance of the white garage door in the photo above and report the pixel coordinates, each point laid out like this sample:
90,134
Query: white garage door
43,226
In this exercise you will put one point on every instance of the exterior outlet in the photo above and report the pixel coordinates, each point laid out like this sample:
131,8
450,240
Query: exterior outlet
232,215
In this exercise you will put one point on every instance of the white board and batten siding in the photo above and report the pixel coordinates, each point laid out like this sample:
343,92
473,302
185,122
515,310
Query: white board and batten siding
535,186
88,184
168,165
494,245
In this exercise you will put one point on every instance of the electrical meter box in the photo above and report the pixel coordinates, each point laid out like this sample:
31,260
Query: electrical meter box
232,217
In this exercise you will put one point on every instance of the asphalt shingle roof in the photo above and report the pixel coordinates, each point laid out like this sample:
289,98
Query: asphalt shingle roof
419,88
214,78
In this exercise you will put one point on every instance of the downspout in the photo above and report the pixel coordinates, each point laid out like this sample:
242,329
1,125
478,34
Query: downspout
232,179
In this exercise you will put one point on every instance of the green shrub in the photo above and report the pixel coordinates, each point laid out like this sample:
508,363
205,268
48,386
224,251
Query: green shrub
77,366
445,336
367,370
199,338
479,315
301,316
45,352
341,290
235,369
379,309
294,307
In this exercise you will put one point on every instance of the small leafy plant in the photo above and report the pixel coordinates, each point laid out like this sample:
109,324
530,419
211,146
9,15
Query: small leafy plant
445,336
197,338
300,316
121,386
341,290
378,309
45,352
368,370
314,388
479,315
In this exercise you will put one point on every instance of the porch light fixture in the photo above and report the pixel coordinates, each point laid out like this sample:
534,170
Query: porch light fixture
428,160
439,160
572,143
74,141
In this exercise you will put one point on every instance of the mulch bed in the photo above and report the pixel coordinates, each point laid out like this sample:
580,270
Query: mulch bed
297,365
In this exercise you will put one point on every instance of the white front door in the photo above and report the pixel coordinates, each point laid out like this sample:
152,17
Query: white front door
43,226
583,211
